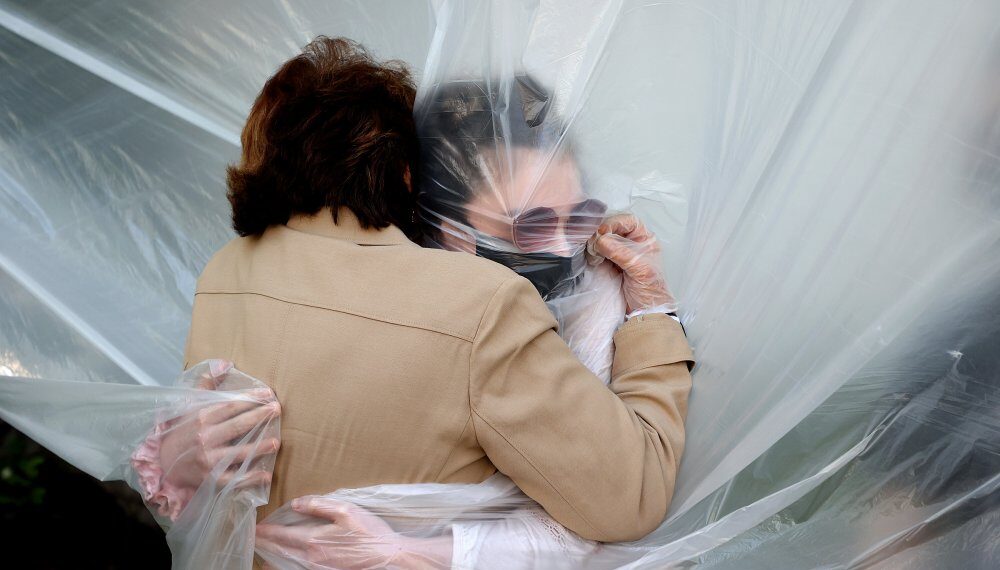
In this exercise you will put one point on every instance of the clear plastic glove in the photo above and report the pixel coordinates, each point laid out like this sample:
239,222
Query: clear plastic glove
181,453
625,241
345,537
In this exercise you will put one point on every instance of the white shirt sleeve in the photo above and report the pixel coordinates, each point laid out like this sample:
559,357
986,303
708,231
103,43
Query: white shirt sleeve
527,539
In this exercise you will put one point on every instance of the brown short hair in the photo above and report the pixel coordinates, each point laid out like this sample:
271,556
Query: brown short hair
332,127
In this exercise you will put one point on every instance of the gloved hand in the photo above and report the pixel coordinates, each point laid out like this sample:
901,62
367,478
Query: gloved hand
180,454
625,241
345,536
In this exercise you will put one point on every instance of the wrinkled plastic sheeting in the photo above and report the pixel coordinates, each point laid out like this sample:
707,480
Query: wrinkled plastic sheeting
99,427
825,177
119,119
918,513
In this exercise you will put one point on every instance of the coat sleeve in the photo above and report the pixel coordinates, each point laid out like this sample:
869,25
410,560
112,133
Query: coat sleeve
601,461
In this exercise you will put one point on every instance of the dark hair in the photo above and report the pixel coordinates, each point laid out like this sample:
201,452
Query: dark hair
459,122
332,127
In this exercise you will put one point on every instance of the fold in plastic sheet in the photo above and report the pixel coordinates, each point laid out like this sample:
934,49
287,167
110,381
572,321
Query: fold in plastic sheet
921,510
824,178
100,427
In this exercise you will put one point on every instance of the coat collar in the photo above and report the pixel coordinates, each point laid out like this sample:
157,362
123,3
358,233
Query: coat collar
346,228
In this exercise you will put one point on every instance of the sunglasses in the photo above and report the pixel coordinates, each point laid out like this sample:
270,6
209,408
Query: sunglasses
538,228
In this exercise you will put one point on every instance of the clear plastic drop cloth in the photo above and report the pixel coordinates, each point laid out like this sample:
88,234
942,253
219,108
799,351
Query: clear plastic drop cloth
823,180
116,431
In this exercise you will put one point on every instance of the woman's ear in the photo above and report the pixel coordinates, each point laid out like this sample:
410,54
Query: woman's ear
406,180
456,239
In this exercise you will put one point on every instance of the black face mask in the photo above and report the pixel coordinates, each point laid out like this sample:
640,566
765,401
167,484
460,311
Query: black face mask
553,275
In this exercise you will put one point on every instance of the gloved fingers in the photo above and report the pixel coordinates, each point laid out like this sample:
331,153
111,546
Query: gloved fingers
241,424
237,454
620,251
592,256
244,480
279,539
322,507
644,284
217,371
625,225
219,413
